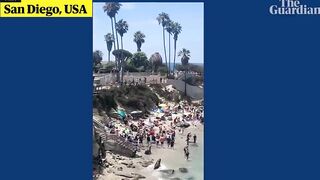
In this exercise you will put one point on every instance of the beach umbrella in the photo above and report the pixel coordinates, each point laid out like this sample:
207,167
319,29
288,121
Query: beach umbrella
121,113
163,105
136,112
159,110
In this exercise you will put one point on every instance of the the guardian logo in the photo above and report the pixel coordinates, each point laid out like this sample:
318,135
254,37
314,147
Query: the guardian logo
293,7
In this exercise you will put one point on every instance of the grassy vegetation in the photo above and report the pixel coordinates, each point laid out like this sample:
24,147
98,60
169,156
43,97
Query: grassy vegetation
169,96
129,97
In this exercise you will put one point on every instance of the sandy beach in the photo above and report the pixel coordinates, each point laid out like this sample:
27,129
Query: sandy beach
121,167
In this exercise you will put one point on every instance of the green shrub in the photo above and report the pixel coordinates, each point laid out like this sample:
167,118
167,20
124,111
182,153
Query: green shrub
104,101
163,70
140,61
139,97
130,68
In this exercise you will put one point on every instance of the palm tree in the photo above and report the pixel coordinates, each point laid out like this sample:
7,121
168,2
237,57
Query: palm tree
122,56
176,31
109,39
139,39
112,9
163,19
185,56
169,29
97,58
122,28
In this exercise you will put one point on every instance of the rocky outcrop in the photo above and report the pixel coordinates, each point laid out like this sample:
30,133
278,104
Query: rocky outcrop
167,171
183,170
146,163
130,175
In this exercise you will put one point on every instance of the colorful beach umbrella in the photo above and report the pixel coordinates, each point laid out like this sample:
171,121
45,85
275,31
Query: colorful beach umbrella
121,113
163,105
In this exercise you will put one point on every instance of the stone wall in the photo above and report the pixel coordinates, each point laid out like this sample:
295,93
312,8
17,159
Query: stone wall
194,92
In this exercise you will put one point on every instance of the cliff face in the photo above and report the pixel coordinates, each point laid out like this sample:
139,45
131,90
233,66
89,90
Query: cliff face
131,98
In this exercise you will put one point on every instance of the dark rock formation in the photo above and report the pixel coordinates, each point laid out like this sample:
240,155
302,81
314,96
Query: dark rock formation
183,170
167,171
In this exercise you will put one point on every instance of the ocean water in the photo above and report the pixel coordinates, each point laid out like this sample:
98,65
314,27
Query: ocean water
171,64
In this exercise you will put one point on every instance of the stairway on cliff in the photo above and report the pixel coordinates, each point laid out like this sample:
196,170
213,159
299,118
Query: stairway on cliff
113,142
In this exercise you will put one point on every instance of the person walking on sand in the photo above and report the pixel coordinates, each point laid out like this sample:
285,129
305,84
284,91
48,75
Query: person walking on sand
172,143
188,140
148,139
168,140
194,138
186,152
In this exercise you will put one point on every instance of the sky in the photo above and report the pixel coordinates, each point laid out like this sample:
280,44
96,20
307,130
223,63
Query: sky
142,17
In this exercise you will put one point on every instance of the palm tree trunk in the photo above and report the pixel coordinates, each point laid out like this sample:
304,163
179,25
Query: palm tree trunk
122,61
169,53
108,56
138,46
164,48
118,68
174,57
114,42
115,21
121,43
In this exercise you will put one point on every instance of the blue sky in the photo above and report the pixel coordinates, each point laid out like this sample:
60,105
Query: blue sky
142,16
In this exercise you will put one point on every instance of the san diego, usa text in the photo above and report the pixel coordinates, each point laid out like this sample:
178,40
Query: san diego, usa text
47,11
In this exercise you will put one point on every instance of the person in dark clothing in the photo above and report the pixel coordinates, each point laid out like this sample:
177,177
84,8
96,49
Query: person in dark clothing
172,137
188,139
148,140
172,143
194,138
141,139
186,152
168,141
153,138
